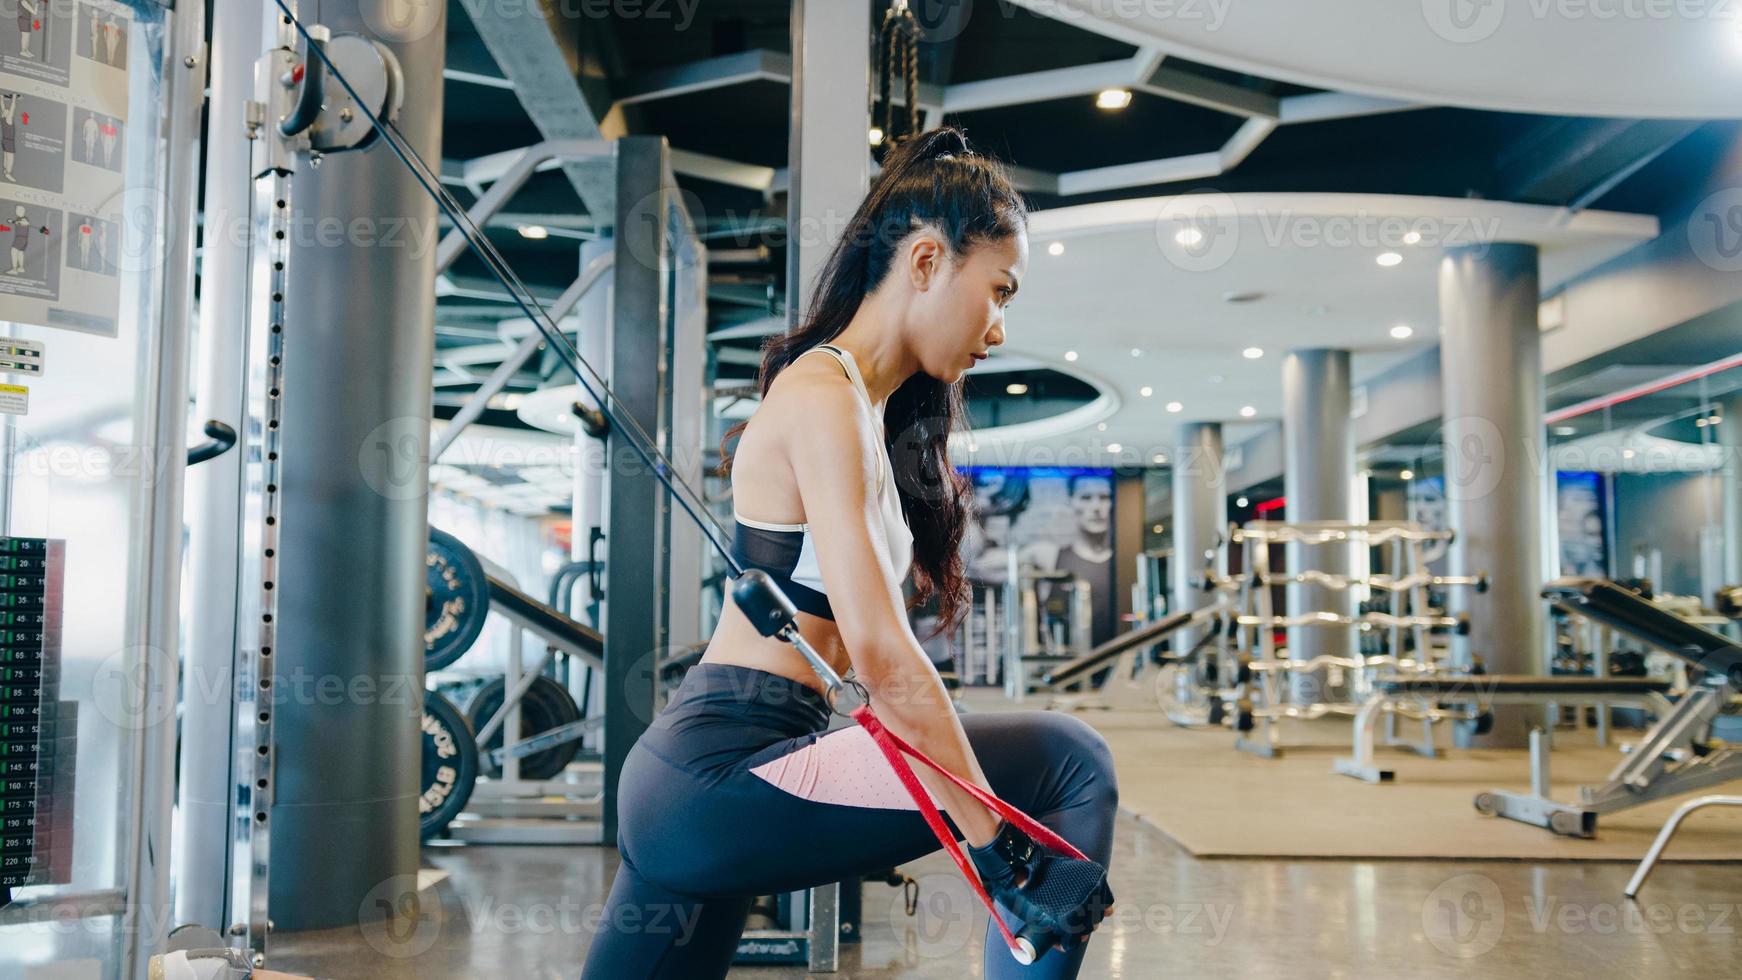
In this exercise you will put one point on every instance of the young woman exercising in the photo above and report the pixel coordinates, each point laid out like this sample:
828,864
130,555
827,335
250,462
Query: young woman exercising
843,487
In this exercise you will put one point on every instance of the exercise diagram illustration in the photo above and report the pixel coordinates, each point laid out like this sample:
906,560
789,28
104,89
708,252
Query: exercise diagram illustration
10,118
39,42
20,228
33,141
97,140
28,24
105,37
90,247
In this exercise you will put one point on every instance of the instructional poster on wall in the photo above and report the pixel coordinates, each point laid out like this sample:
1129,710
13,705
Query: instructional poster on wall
63,137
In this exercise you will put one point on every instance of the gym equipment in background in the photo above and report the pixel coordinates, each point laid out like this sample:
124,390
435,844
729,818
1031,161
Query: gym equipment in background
1077,672
1670,826
1677,755
546,705
1030,621
1261,675
456,601
523,729
450,765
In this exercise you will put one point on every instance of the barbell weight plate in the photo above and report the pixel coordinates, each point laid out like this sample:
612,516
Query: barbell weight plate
456,600
547,705
450,765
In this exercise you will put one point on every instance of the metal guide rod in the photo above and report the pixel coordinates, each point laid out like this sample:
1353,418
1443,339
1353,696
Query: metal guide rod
623,423
256,626
262,478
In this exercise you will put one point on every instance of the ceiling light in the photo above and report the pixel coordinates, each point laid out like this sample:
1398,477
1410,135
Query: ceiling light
1070,355
511,402
1016,388
1160,458
1056,248
1136,352
1701,422
1406,475
1188,236
1402,331
1115,448
1411,237
1175,407
1247,411
1715,419
1101,428
1113,99
534,232
1388,259
1564,430
1241,502
1252,353
876,135
1627,454
1146,391
1157,529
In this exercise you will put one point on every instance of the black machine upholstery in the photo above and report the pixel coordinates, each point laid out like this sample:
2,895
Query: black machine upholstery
545,618
1629,613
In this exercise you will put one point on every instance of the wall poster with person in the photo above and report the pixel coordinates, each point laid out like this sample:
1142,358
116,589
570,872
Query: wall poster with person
1056,520
1579,524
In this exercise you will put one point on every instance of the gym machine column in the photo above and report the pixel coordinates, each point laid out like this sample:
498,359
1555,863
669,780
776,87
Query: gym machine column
347,491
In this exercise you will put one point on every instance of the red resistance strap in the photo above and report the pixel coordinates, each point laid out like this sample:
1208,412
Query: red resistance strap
894,749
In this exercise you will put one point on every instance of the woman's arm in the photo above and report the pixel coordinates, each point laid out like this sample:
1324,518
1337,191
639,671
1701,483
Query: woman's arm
829,440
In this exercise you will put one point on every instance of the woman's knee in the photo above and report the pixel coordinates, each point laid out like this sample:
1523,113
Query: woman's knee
1081,753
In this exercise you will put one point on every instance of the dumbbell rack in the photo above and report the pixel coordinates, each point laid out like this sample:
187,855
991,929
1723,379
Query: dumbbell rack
1259,698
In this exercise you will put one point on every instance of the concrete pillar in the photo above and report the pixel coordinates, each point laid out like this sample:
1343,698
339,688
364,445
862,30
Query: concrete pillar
1200,516
829,158
1318,480
1495,450
359,343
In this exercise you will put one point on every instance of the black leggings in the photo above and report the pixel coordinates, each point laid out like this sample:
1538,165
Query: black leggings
701,834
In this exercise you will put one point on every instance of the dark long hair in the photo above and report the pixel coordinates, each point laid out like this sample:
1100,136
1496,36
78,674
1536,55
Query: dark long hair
934,179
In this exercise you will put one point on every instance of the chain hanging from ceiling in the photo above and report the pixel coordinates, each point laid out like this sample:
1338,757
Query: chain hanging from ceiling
897,56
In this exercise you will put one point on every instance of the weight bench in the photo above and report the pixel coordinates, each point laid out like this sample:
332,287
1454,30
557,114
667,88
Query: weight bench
1078,669
1430,697
1676,755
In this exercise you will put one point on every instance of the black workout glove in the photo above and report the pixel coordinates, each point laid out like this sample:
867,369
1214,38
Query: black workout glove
1060,899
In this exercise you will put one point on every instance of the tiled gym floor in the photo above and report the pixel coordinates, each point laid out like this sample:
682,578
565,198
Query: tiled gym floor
522,912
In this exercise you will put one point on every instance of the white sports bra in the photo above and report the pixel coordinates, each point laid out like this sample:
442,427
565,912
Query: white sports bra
788,552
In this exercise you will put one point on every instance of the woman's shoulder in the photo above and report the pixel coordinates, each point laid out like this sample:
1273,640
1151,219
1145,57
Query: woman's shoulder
813,392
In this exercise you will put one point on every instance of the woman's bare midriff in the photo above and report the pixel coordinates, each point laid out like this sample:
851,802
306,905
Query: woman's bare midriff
736,642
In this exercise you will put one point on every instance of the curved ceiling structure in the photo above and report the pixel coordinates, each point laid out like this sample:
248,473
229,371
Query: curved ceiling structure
1634,58
1194,299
